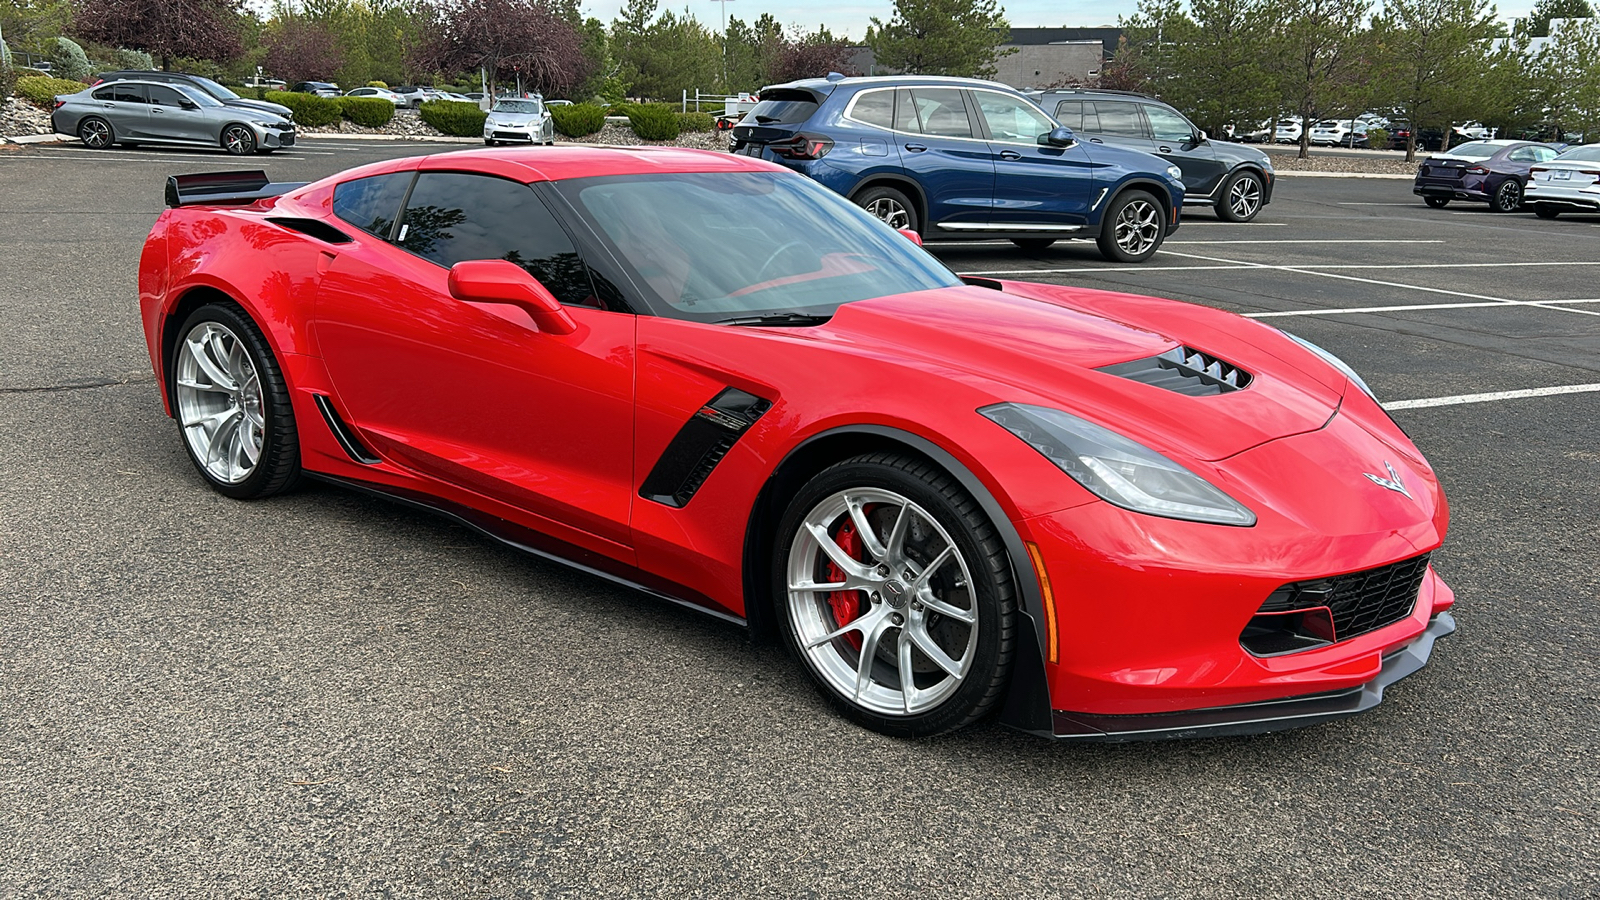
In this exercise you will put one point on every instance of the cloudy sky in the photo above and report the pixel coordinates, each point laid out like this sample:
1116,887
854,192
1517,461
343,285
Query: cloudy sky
851,17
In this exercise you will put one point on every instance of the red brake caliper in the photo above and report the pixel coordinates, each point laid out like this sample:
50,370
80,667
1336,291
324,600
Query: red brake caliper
847,605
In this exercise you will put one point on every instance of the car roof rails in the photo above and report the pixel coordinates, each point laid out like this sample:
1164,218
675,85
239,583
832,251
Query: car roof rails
1080,90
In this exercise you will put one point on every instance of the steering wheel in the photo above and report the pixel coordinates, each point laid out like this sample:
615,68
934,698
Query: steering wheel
773,258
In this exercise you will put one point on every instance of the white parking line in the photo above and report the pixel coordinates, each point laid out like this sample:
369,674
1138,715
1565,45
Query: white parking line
1411,308
1237,266
1496,395
1307,242
101,156
1394,284
1373,203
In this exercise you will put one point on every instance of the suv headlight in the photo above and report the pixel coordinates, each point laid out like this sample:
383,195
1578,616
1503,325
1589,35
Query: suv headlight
1175,173
1116,469
1334,361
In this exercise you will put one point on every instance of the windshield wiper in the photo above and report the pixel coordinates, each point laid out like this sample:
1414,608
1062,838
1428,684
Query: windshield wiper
775,319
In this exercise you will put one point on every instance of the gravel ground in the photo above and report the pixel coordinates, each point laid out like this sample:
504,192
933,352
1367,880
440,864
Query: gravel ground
19,117
1363,165
623,136
403,124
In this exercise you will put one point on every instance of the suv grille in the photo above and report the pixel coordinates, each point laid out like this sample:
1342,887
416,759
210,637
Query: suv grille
1293,618
1184,370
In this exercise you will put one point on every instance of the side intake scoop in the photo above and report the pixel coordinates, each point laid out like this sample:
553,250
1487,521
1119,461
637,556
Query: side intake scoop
702,443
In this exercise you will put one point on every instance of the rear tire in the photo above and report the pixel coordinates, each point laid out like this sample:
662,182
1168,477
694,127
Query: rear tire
1436,202
1507,197
1033,245
96,133
1133,228
1545,211
923,644
890,205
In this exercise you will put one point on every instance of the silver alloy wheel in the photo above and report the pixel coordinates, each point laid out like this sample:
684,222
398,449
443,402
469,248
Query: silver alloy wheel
95,133
1508,196
1244,198
238,140
889,210
1138,227
914,640
219,402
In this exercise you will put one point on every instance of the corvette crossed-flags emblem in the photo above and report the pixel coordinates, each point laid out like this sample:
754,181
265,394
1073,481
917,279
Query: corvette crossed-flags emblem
1393,482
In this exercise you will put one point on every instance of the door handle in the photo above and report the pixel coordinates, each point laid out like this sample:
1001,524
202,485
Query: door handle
1096,141
1010,154
1164,149
916,148
155,110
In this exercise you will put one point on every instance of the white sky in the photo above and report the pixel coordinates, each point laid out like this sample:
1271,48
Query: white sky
851,17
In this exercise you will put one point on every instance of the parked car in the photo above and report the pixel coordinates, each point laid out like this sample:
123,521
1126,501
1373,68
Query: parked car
558,103
218,92
958,159
416,95
1339,133
475,96
1261,134
320,88
1287,131
131,113
519,122
381,93
1568,183
1492,172
1234,181
707,377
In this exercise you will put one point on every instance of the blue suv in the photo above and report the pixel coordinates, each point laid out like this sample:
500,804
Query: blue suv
959,159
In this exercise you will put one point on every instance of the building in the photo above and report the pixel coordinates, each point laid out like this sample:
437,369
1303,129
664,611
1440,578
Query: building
1054,57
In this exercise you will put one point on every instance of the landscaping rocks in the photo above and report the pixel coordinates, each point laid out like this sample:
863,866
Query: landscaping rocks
623,136
19,118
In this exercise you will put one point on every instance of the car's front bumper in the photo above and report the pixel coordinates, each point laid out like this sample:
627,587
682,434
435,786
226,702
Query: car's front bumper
273,138
528,134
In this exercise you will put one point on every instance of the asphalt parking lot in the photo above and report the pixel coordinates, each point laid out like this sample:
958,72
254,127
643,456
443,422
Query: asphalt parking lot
329,695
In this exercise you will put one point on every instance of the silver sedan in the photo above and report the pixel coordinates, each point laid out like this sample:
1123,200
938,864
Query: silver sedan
144,112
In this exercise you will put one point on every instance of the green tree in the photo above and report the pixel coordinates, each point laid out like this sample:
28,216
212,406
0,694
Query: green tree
68,59
940,37
31,24
1208,61
1319,55
1431,59
1566,78
661,56
1537,24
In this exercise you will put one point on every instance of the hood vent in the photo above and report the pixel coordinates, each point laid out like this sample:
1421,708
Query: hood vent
1185,371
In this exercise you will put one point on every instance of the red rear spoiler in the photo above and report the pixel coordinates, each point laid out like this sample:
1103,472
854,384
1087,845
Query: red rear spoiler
224,188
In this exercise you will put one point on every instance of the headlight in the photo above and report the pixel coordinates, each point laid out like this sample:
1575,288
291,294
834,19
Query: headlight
1175,173
1116,469
262,124
1334,361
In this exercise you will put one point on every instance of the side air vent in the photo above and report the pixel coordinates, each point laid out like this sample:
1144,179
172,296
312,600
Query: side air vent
341,432
1304,615
1184,370
316,228
702,443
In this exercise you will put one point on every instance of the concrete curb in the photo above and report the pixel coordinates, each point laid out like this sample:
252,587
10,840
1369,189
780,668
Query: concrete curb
36,138
1282,174
341,136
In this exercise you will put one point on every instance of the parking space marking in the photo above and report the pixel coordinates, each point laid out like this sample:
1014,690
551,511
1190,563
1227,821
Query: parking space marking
1496,395
1430,241
1408,308
1237,266
103,155
1395,284
1374,203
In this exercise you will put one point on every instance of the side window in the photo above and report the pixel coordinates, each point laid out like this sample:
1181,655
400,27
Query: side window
1120,117
452,217
1010,119
1070,114
943,112
371,204
905,113
161,95
1522,154
1167,125
106,94
875,108
1545,154
122,92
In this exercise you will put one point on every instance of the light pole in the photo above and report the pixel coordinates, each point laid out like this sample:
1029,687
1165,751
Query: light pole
724,48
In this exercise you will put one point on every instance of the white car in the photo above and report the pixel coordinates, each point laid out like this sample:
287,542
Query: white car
1288,131
383,93
1332,133
516,121
1568,183
415,95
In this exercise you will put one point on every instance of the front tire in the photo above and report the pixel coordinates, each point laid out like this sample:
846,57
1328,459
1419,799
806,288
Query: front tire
238,140
1033,245
891,206
1133,228
232,405
488,142
1507,197
1436,202
1241,198
916,634
96,133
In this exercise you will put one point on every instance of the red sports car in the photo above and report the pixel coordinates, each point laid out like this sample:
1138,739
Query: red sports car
1093,515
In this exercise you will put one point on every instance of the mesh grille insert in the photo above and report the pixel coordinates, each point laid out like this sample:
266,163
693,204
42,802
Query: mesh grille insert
1184,370
1360,601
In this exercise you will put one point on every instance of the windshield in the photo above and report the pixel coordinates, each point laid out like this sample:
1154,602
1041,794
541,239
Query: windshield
716,246
214,89
1475,150
1590,153
517,106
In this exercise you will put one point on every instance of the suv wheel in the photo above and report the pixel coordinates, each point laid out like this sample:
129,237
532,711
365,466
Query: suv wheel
1133,228
1241,198
891,206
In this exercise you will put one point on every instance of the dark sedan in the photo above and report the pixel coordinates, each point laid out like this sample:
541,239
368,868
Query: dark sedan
1493,172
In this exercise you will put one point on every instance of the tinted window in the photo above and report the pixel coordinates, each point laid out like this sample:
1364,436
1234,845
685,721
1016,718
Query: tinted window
121,93
1010,119
942,111
1120,117
1167,125
1070,114
106,93
783,108
453,217
161,95
905,113
371,204
1475,150
875,108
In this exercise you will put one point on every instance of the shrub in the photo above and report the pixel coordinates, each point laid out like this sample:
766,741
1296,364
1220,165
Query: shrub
133,59
26,72
310,111
454,117
654,123
372,112
696,121
41,90
1378,138
378,84
68,59
578,120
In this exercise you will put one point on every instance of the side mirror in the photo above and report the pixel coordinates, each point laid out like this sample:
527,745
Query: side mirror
911,236
1200,136
499,281
1060,136
188,104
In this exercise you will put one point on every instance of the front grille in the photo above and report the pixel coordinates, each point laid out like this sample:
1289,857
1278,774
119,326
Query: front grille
1185,371
1360,601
